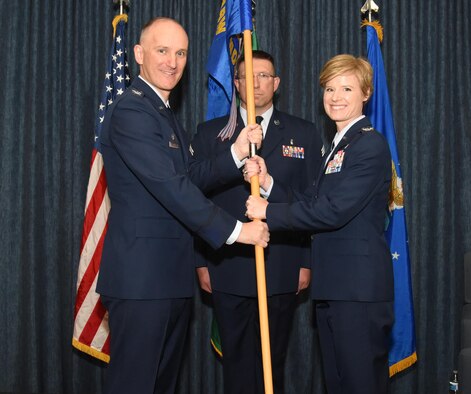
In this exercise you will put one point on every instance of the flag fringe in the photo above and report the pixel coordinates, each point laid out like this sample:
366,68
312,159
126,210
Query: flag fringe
375,25
117,19
90,351
216,348
403,364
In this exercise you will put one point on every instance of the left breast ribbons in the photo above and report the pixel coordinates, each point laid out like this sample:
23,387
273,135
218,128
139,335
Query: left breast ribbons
296,152
335,165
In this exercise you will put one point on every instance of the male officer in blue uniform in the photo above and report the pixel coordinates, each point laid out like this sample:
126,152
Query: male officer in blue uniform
147,276
292,148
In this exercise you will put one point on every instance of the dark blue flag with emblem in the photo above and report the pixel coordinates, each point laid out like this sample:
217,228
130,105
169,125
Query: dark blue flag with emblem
91,331
235,16
402,353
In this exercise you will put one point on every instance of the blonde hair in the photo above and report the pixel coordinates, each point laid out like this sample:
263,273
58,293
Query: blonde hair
346,64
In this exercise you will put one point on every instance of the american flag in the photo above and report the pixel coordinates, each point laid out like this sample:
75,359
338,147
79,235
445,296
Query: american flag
91,331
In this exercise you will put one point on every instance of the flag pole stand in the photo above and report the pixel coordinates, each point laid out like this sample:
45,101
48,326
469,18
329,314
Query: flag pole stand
259,256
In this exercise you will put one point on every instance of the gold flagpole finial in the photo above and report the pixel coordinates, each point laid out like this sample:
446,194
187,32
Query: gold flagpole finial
369,7
123,7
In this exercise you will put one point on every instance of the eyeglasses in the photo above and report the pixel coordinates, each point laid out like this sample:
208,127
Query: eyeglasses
260,76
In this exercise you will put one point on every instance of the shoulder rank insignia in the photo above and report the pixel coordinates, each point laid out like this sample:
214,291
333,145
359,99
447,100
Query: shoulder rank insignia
368,128
136,92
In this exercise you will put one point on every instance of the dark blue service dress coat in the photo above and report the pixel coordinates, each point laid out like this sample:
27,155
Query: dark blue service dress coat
346,207
291,150
156,203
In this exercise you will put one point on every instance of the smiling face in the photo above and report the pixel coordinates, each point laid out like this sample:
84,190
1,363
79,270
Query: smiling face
344,99
265,84
162,54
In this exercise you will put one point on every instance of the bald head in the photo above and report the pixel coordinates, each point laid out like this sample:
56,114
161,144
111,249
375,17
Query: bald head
162,53
159,20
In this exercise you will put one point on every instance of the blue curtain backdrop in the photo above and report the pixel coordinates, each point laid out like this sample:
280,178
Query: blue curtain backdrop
53,59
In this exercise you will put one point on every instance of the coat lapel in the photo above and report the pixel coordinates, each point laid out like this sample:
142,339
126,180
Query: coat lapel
273,136
177,130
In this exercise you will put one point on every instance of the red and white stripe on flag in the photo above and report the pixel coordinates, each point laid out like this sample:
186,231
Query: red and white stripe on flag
91,331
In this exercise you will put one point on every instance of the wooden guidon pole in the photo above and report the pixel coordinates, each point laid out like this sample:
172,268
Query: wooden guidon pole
259,256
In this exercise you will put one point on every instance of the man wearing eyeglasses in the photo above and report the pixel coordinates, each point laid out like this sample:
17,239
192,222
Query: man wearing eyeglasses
292,150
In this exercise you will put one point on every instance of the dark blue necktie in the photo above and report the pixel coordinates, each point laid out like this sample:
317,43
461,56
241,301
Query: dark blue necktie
253,147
